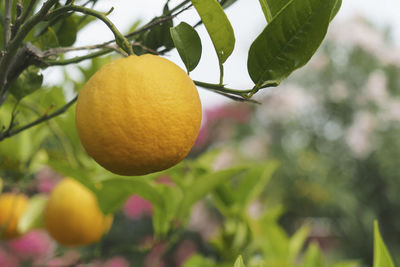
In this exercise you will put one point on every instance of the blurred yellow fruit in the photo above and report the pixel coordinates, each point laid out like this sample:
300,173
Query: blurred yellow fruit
138,115
72,215
12,206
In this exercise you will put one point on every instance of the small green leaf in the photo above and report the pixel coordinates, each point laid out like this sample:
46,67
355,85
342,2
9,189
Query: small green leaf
202,186
199,261
239,262
32,218
255,181
218,27
382,256
188,44
28,81
297,242
289,41
113,192
67,31
313,257
47,40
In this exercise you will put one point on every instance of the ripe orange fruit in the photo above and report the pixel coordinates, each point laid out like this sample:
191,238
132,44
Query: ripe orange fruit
12,206
72,215
138,115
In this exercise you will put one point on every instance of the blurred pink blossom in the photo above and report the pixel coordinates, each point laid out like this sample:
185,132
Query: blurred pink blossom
8,260
47,178
35,246
154,258
185,250
116,262
165,179
136,207
69,258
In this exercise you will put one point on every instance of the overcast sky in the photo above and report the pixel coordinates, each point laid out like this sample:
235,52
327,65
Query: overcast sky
247,20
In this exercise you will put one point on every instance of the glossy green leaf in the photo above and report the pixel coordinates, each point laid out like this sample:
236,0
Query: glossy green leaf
382,256
313,257
188,44
336,8
239,262
218,27
32,218
289,41
204,185
272,7
28,81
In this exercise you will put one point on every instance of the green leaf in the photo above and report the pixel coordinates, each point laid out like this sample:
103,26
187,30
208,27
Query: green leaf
113,192
47,40
202,186
239,262
188,44
255,181
32,218
199,261
67,31
218,27
313,257
336,8
297,242
272,7
382,256
28,81
289,41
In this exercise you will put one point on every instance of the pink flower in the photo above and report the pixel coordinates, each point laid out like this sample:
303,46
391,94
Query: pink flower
34,246
186,249
165,179
116,262
154,258
8,260
136,207
47,179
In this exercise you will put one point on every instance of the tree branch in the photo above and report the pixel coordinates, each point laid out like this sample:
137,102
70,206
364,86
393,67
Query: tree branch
13,45
7,22
46,117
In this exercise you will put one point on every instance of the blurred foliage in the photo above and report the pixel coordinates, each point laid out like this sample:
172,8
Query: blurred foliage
334,127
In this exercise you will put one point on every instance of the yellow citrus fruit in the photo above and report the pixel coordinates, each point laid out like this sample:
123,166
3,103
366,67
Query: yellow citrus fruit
138,115
72,215
12,206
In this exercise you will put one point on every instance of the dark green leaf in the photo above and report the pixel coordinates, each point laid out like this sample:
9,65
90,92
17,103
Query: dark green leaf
272,7
29,81
47,40
218,27
188,44
289,41
382,256
335,10
66,33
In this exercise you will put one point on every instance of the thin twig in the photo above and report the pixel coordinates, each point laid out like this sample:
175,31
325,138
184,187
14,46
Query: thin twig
119,38
44,118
